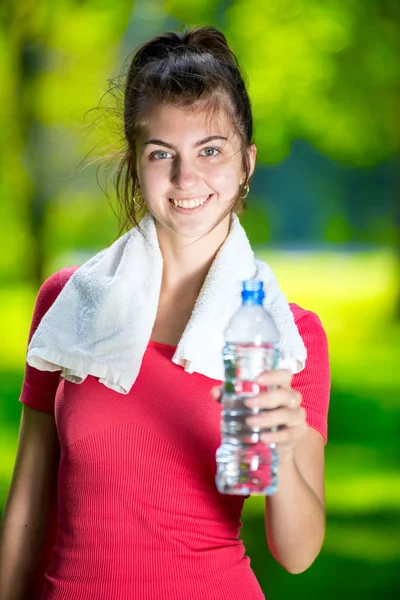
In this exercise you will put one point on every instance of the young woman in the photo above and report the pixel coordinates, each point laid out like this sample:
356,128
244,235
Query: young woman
113,494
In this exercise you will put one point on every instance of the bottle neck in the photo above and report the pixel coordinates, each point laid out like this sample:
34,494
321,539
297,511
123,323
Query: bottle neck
253,293
252,303
253,300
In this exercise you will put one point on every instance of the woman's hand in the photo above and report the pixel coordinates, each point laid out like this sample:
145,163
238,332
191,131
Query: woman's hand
284,411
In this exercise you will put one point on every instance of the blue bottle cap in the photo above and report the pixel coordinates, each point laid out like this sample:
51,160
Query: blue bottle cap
253,292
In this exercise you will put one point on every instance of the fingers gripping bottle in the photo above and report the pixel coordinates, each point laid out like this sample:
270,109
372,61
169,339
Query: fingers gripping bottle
245,464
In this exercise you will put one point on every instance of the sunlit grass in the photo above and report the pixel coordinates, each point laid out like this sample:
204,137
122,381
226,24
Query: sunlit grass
352,493
354,295
359,481
366,493
372,543
340,287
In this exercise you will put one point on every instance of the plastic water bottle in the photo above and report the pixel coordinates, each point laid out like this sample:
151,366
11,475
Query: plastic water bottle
246,465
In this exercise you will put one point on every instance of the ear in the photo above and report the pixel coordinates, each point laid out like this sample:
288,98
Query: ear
252,154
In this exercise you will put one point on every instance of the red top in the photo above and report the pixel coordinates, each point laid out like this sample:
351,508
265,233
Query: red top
139,515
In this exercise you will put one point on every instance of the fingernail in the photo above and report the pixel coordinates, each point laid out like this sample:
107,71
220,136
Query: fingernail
216,393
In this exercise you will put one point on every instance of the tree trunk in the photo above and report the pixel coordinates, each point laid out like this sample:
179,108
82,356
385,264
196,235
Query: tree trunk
30,59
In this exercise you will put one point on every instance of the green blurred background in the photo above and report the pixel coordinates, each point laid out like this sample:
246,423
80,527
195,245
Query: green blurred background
324,211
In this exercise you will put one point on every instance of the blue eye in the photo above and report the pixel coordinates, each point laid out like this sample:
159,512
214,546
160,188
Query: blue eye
156,155
214,151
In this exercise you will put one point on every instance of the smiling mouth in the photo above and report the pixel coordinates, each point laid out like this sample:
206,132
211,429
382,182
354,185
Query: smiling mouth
190,203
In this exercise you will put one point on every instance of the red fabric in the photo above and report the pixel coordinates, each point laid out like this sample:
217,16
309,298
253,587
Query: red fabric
139,516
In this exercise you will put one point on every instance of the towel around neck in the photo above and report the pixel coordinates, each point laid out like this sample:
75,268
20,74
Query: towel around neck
101,322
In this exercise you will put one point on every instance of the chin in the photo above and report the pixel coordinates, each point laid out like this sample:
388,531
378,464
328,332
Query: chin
193,229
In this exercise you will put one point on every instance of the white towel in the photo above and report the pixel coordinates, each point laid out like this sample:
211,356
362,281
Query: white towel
101,322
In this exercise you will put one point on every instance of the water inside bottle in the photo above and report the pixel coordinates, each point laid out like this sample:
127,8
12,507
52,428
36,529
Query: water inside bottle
245,464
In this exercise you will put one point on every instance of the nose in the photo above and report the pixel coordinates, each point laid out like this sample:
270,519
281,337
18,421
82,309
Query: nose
184,174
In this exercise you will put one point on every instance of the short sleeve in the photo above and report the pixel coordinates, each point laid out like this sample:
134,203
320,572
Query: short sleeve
313,382
39,387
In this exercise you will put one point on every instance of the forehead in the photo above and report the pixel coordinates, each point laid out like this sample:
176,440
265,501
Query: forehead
170,122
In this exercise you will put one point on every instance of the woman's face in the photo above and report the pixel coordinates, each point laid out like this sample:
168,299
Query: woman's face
189,168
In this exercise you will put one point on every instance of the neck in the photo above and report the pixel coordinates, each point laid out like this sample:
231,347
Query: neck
186,261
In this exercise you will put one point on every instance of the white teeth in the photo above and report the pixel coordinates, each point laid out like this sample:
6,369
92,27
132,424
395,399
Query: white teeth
193,203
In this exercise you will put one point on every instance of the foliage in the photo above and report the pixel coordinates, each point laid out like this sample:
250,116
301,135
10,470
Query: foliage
323,70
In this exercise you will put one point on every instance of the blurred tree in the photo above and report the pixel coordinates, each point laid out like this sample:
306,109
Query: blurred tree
56,63
323,71
326,71
31,58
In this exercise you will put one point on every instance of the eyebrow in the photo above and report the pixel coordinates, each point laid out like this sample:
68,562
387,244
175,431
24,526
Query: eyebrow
195,145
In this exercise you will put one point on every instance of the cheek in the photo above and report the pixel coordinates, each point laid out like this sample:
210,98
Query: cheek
223,178
152,179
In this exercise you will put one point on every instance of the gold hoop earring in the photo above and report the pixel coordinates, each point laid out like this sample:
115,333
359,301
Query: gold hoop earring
137,203
247,189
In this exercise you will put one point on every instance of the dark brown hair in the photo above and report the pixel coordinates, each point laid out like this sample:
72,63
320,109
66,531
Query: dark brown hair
191,68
